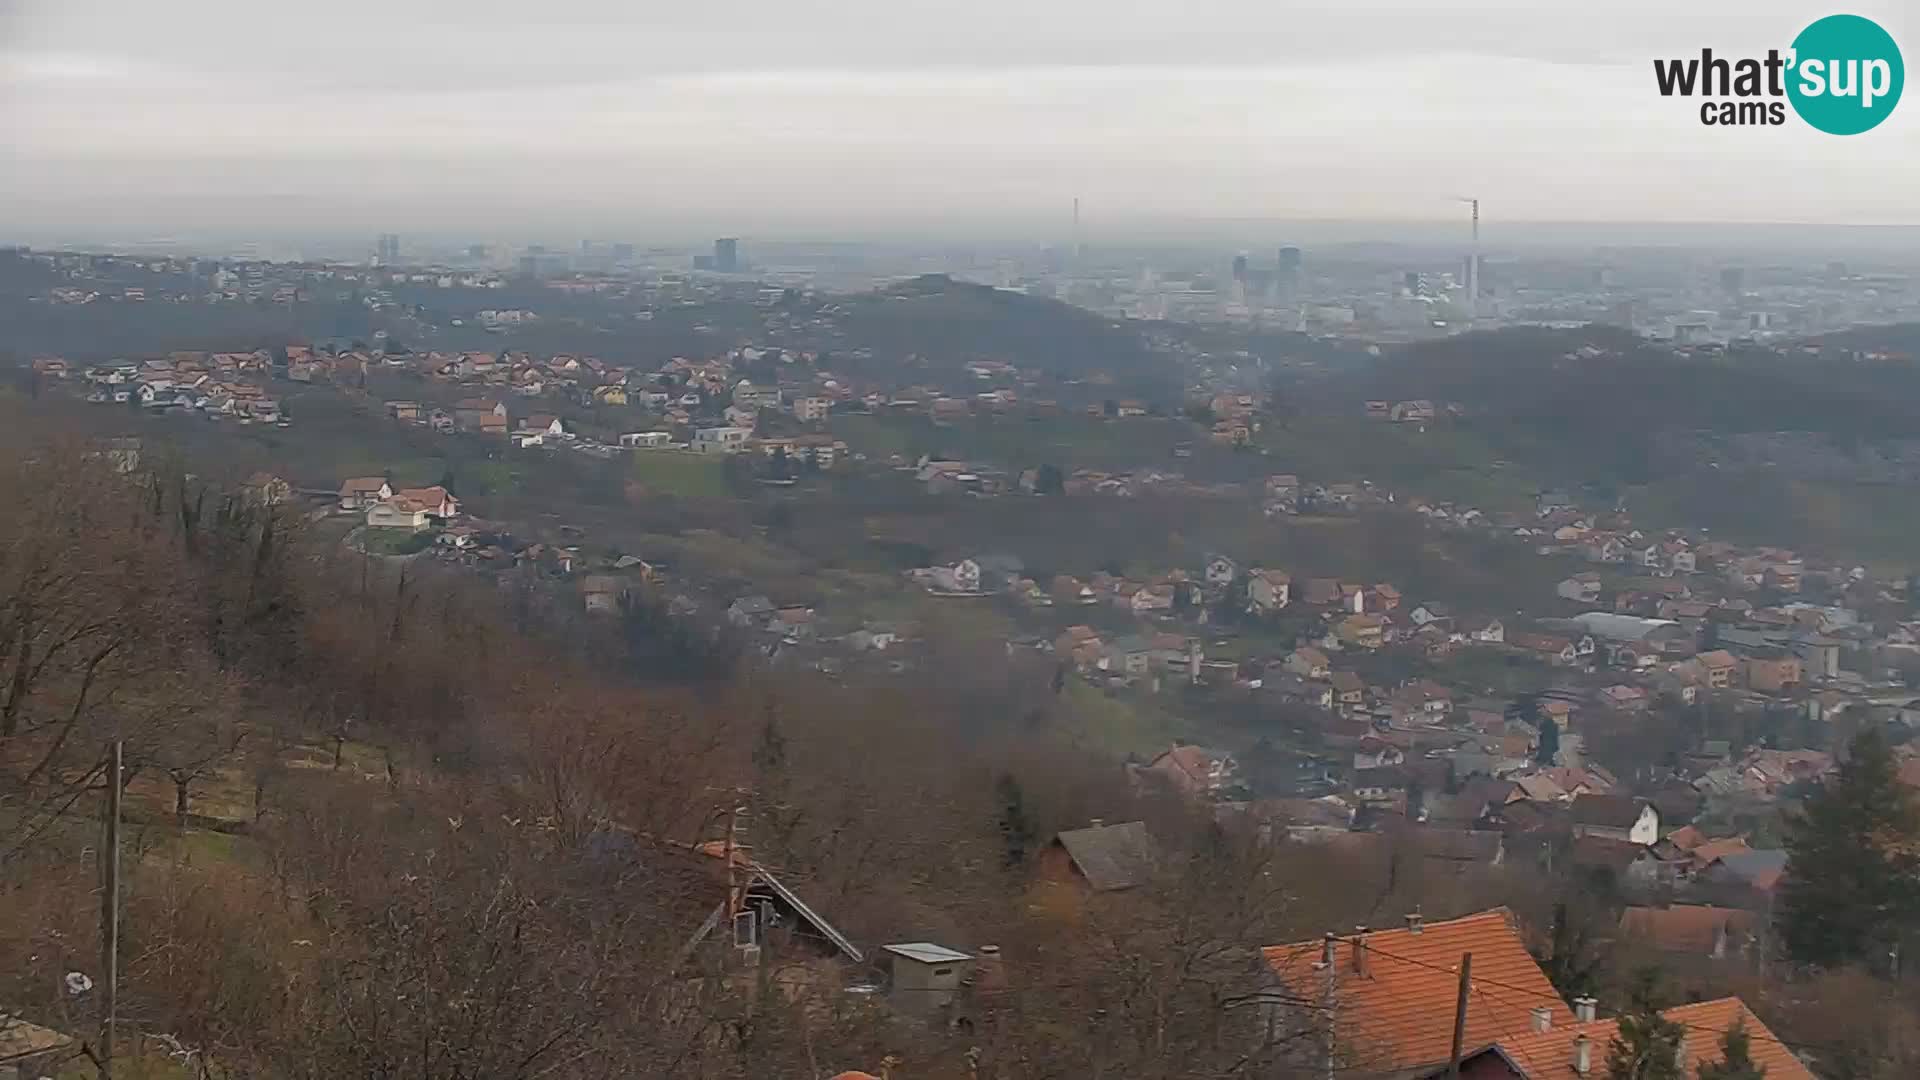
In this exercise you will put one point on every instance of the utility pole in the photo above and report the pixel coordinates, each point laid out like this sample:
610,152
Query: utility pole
1460,1015
110,960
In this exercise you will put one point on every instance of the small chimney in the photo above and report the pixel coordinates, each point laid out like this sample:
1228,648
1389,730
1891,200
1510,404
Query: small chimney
1326,949
1359,950
991,971
1542,1018
1582,1055
1095,823
1584,1009
1416,922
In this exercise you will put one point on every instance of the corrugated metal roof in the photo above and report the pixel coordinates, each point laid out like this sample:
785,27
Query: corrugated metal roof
926,952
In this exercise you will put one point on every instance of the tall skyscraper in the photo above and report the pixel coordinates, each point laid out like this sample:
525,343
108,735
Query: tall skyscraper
388,249
1733,279
1286,279
1240,268
726,254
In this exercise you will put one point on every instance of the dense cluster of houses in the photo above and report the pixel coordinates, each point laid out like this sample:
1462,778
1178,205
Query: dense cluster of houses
217,385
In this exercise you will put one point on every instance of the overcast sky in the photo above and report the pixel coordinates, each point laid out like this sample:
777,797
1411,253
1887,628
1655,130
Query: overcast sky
801,118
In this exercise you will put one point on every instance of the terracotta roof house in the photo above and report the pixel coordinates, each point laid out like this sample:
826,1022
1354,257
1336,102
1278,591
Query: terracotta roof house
1578,1051
1615,817
1691,929
1392,991
1194,771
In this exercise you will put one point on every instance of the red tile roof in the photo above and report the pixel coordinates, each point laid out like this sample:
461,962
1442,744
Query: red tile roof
1548,1055
1689,928
1398,1014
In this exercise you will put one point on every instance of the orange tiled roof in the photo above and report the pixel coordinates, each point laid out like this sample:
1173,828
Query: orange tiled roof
1399,1013
1548,1055
1691,928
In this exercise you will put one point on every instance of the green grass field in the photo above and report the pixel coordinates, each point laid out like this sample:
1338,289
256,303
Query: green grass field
673,472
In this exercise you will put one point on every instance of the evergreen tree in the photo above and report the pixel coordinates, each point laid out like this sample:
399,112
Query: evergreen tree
1852,867
1736,1058
1647,1046
1016,828
1548,750
1048,481
782,469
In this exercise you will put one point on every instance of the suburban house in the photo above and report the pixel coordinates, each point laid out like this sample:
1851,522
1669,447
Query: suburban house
361,492
1348,691
721,440
1268,590
1194,771
1578,1051
1691,929
1615,817
1099,858
602,593
1309,663
543,424
1389,994
1375,752
481,414
1382,1004
398,512
1584,588
1773,671
1550,647
1485,631
1717,667
646,440
750,611
1221,571
1360,631
436,500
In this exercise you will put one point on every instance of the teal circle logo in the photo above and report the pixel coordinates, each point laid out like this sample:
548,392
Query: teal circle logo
1846,75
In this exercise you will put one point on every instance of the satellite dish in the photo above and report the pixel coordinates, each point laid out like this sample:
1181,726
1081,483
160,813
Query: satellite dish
78,983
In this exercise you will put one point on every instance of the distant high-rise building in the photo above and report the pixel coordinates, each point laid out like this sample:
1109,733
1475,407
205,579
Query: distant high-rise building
1290,260
1732,279
726,254
1410,280
1239,268
623,253
388,249
476,251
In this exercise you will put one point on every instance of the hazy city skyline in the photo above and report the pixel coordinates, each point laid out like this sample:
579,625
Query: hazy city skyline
764,120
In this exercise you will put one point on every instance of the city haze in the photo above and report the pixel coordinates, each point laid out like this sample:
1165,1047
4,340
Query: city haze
122,121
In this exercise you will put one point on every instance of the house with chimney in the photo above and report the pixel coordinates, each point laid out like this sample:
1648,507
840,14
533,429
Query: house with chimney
1382,1004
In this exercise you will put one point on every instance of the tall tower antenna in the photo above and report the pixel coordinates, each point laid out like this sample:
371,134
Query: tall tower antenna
1076,228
